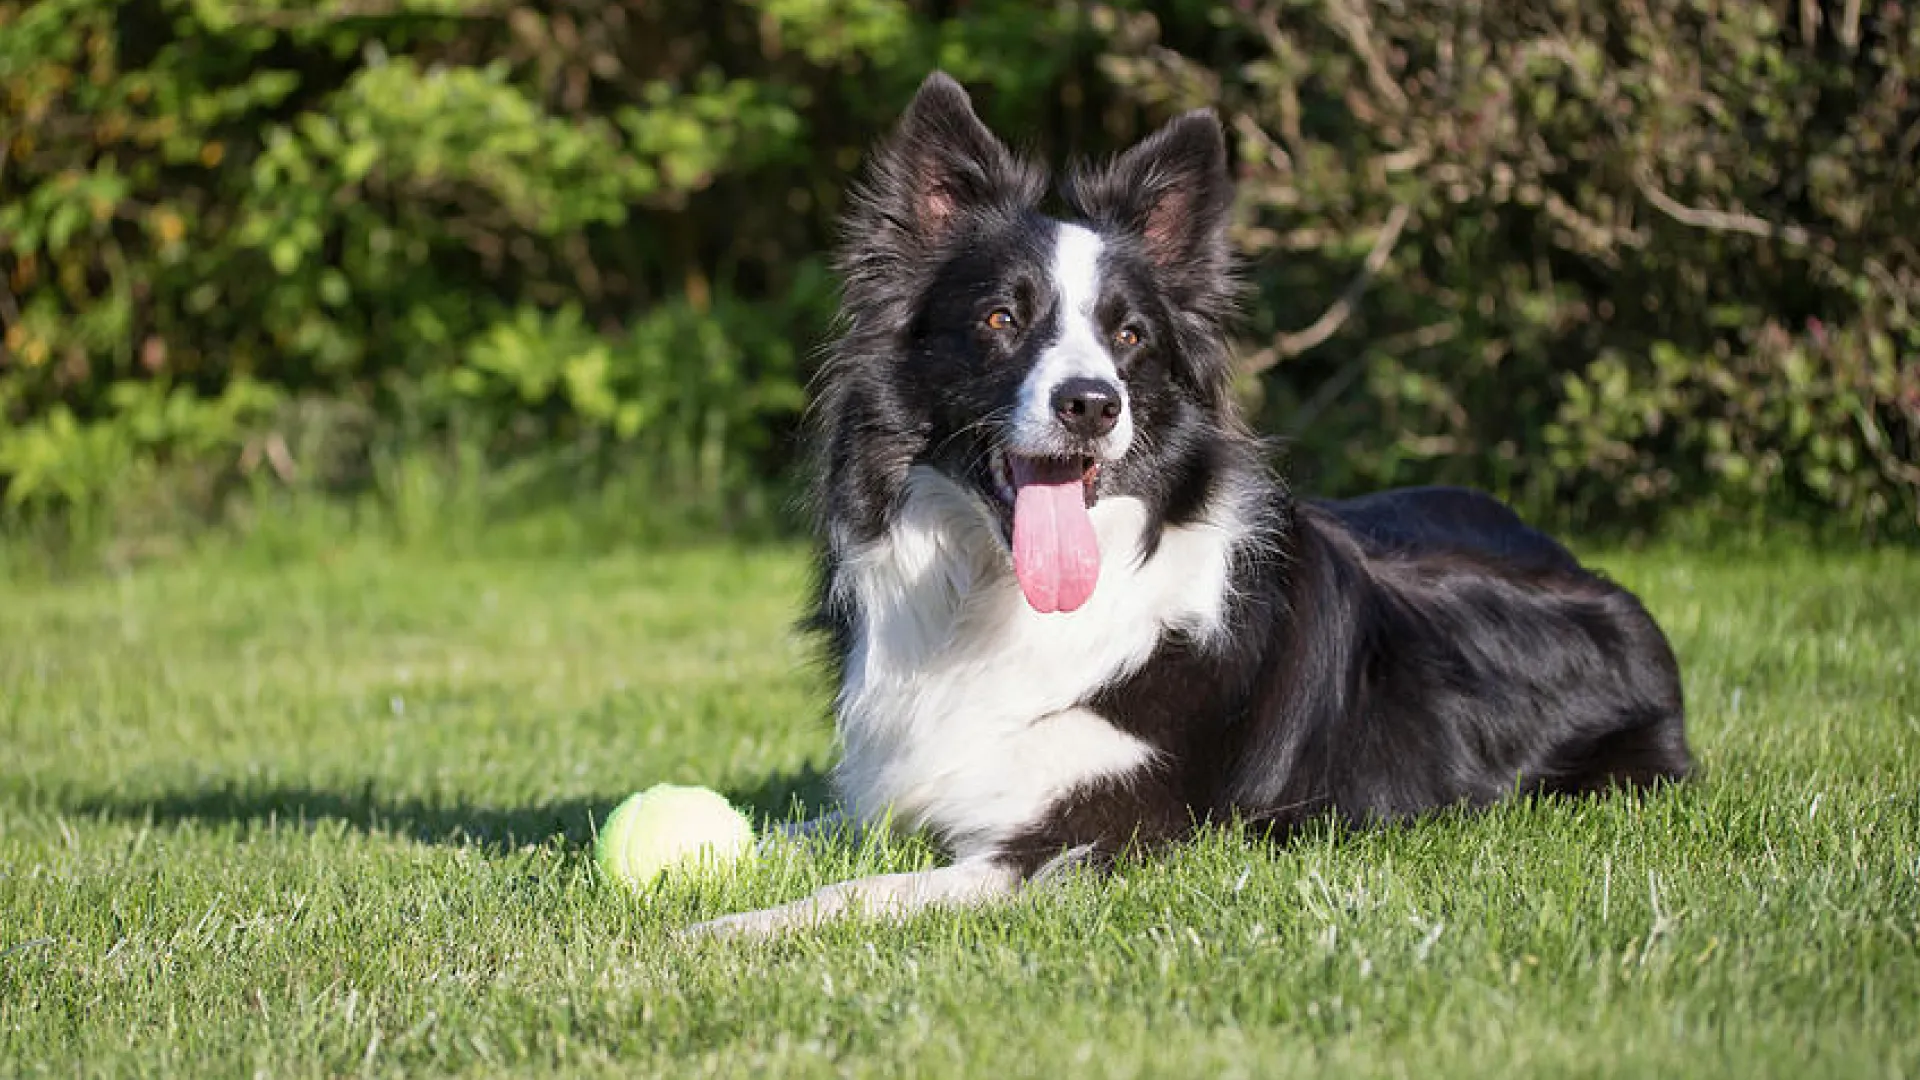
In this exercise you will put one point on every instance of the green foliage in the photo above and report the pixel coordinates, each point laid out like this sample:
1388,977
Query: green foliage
698,399
1624,257
56,456
580,229
1615,259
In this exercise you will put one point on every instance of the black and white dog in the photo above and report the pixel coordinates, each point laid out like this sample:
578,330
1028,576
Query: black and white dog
1071,610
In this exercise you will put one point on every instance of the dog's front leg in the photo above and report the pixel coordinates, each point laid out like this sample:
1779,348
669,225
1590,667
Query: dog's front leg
888,896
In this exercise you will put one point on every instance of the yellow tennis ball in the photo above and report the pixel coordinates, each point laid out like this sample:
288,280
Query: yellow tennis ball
671,827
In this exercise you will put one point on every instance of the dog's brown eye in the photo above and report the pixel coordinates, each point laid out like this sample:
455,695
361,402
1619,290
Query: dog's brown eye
1000,319
1126,339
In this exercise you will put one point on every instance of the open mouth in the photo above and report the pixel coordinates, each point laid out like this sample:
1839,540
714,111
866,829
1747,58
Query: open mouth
1044,469
1056,553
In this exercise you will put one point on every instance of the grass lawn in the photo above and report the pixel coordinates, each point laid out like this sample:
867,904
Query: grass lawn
331,819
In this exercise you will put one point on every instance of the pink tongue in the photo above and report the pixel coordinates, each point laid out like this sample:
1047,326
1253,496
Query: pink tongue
1055,554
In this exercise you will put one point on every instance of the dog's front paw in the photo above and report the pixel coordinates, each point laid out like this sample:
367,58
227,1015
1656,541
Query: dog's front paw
745,924
761,924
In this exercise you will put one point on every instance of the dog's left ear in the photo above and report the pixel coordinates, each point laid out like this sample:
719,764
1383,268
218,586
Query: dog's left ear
1173,191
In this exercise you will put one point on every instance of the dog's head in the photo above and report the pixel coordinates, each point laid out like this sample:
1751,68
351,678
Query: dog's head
1043,364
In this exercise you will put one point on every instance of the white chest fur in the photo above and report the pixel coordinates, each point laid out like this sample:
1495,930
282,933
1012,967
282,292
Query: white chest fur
961,708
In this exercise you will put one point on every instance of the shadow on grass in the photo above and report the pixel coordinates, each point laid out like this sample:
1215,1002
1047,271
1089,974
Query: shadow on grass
779,796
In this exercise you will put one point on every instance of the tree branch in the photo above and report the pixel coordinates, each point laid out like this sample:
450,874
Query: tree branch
1287,346
1355,23
1850,26
1721,220
362,10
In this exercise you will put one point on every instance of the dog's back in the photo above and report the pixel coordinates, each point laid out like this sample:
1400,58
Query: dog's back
1425,520
1452,655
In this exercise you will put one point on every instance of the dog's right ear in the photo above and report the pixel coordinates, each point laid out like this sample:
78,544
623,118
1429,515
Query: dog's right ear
939,163
1173,191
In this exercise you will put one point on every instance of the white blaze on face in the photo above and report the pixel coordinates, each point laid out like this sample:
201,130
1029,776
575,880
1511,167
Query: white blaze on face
1079,350
1056,554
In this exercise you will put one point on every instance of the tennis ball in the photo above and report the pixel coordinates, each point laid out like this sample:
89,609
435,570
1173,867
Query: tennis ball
669,826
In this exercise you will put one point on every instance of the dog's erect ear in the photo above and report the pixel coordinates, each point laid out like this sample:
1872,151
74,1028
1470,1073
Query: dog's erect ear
939,162
1172,190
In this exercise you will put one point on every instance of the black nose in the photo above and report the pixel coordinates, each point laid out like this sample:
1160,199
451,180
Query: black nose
1087,407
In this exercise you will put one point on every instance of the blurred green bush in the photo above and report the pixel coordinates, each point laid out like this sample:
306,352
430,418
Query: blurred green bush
1609,259
1612,258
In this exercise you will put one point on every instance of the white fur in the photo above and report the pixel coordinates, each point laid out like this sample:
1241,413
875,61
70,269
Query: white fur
961,709
1079,352
885,896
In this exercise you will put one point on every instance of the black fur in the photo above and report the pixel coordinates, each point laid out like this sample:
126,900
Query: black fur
1387,656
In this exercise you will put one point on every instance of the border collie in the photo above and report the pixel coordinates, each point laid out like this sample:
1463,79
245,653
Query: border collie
1073,613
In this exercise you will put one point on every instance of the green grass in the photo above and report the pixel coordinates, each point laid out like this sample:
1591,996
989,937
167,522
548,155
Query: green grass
330,818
